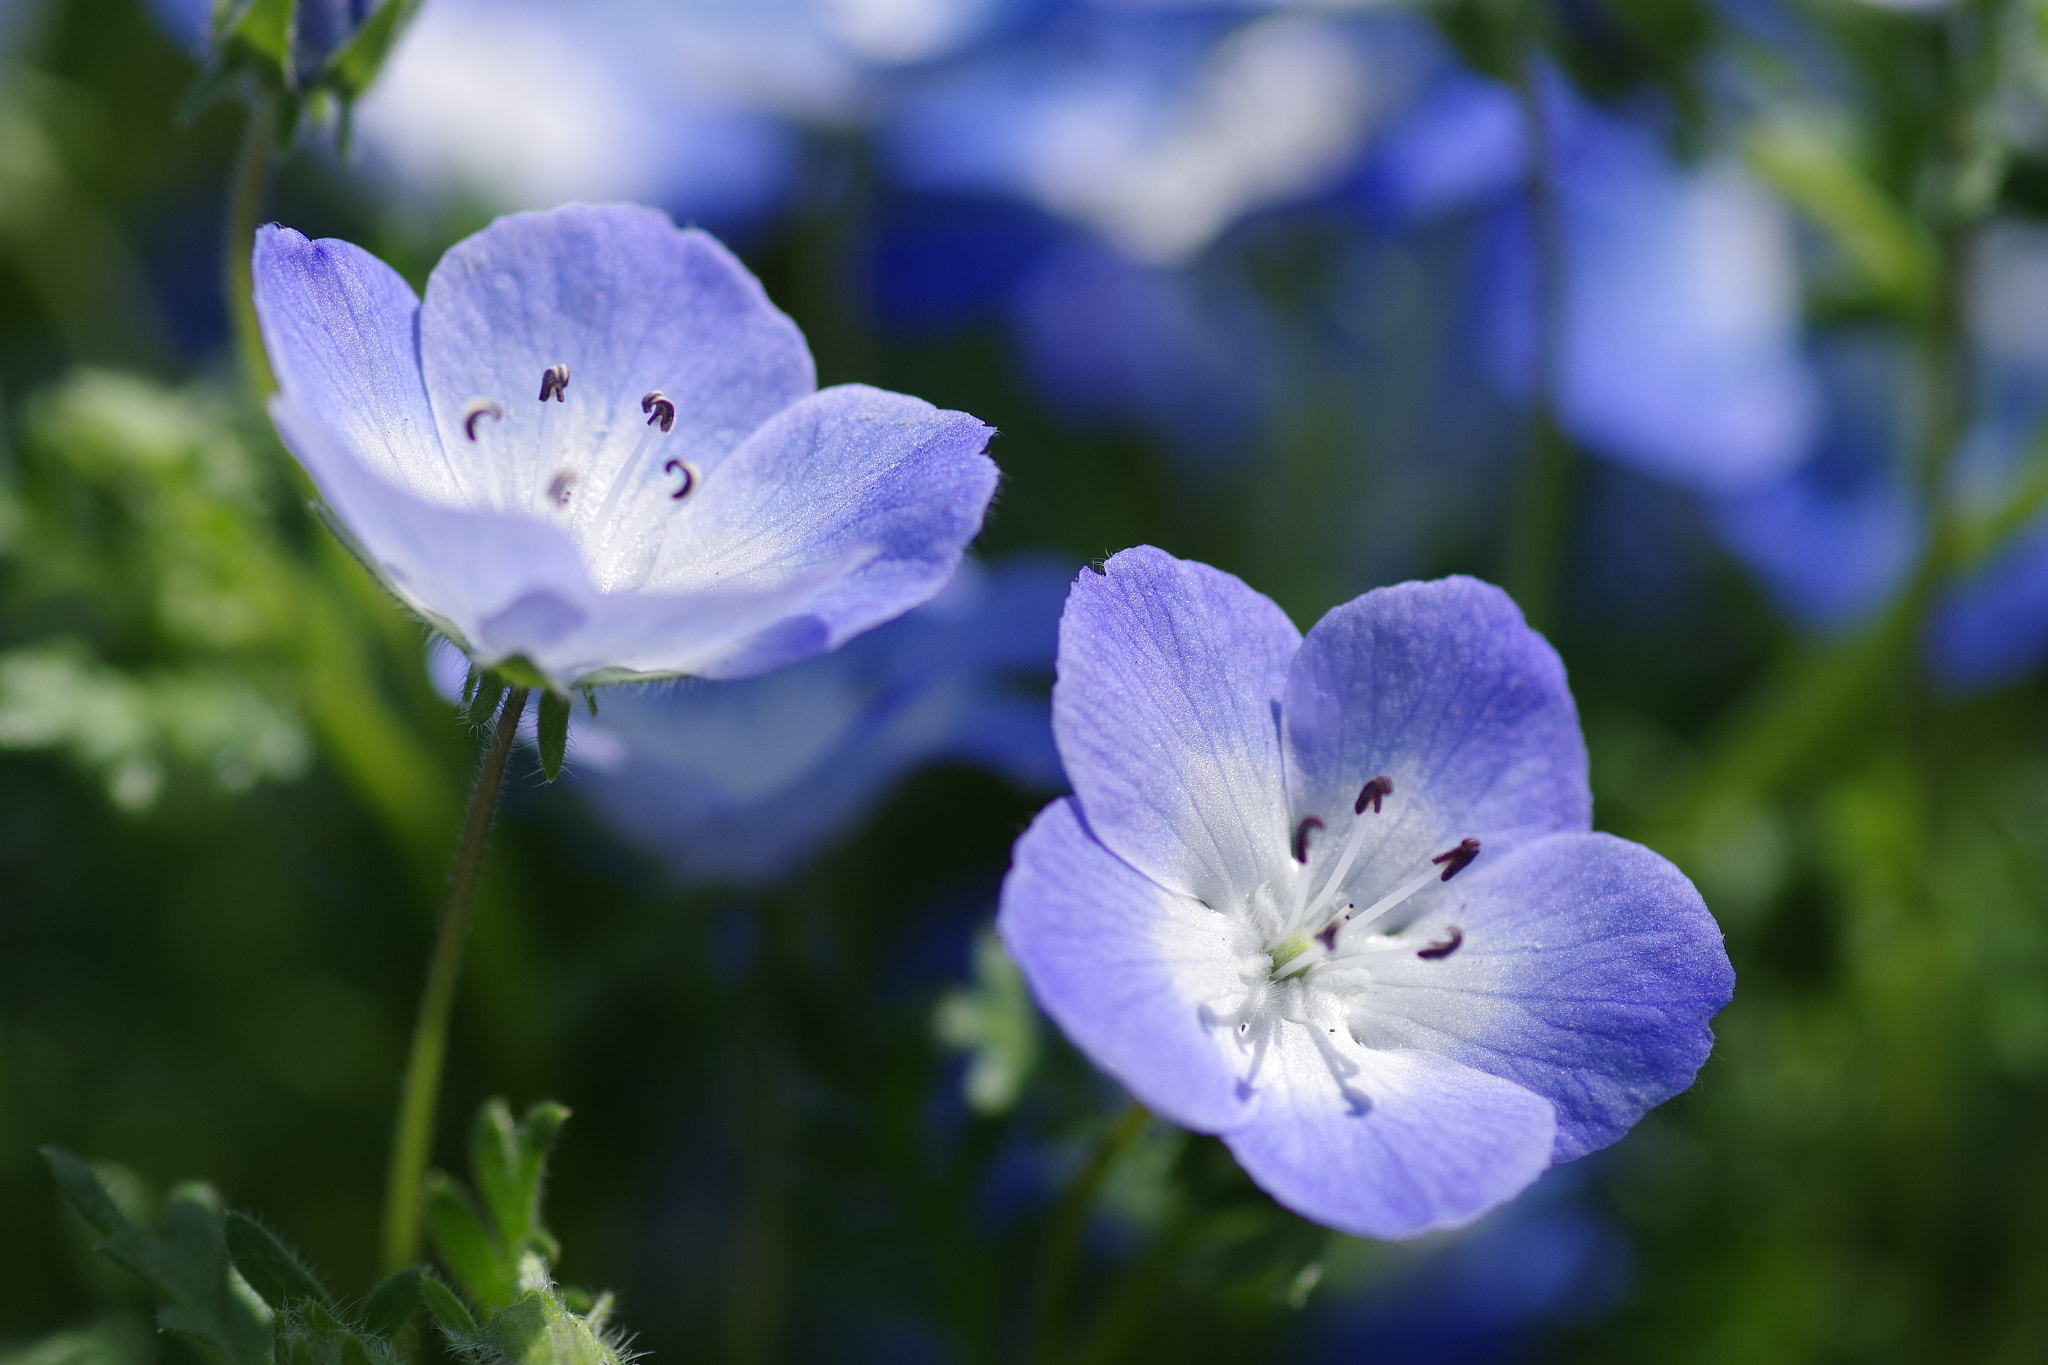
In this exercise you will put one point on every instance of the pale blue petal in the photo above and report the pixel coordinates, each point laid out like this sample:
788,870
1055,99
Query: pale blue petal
871,495
1409,1143
1587,972
631,304
1125,967
339,325
466,571
1170,675
1443,688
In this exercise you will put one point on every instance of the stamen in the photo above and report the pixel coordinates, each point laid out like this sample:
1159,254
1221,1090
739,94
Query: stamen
663,410
554,383
688,474
1372,793
481,407
1443,948
559,486
1301,833
1458,858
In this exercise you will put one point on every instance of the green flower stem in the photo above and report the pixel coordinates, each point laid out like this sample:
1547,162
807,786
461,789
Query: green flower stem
420,1095
1060,1258
245,210
1543,511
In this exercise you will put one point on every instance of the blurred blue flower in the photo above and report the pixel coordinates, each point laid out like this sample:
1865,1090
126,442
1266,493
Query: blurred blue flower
1483,1296
1680,351
1158,131
743,782
1244,913
522,104
320,27
1834,539
678,500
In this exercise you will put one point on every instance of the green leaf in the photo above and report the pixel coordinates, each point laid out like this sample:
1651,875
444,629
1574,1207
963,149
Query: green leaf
392,1303
554,733
469,1251
447,1310
995,1021
185,1266
355,66
277,1276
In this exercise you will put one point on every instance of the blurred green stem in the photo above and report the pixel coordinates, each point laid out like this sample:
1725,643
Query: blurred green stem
418,1099
1061,1256
1543,511
245,208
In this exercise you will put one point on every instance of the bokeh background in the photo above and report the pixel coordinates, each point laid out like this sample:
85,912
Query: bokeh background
1717,330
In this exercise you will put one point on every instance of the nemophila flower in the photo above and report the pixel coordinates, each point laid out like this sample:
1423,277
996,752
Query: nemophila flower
1336,898
595,450
742,782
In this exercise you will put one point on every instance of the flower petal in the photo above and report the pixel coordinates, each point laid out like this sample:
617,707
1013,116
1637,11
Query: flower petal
464,570
339,326
1441,687
1410,1143
886,485
631,304
1169,675
1124,967
1588,970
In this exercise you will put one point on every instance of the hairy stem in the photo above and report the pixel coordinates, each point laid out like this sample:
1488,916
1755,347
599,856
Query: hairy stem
245,209
1060,1258
419,1098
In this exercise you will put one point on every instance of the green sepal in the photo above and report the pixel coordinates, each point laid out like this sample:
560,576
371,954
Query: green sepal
485,698
447,1310
279,1278
392,1303
590,700
185,1265
554,733
265,28
521,673
355,65
466,1247
509,1161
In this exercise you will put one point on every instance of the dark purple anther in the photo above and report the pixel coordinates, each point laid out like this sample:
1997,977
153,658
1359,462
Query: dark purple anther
1443,948
482,407
554,383
663,410
689,478
1301,832
1458,859
1371,794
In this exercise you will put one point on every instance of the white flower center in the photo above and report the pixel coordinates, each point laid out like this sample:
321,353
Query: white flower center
617,509
1309,949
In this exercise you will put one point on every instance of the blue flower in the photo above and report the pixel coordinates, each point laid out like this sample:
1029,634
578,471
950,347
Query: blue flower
1336,898
518,104
1679,351
741,782
678,499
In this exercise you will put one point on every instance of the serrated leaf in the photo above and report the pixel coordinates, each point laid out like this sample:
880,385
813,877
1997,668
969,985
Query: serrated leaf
447,1310
279,1278
554,733
392,1303
470,1252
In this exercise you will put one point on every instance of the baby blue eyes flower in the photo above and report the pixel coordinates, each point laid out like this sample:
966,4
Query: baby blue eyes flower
1337,900
596,451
